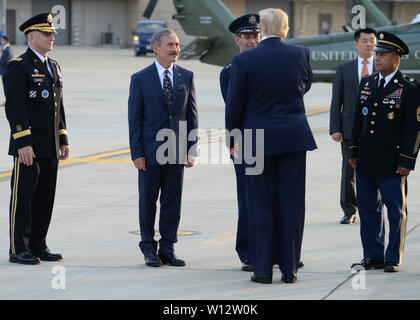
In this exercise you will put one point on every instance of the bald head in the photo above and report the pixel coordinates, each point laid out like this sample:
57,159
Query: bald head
274,22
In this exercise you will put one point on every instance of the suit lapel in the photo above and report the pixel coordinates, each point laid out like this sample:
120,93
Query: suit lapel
177,80
355,74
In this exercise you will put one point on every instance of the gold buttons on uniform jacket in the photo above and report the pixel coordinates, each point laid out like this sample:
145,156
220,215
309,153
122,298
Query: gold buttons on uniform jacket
372,132
56,104
372,123
373,113
375,104
55,113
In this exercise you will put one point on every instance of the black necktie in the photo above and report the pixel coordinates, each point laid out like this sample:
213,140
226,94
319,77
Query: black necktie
46,66
381,88
167,88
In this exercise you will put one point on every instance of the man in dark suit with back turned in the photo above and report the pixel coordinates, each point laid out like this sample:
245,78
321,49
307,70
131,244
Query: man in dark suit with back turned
265,92
343,106
162,102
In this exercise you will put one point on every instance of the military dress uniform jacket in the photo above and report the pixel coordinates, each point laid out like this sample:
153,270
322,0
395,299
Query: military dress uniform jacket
386,131
34,106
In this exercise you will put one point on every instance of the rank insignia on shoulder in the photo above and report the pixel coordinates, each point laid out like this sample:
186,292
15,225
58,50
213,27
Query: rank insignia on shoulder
15,59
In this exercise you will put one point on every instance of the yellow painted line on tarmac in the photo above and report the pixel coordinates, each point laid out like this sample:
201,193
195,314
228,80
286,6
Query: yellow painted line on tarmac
99,157
310,113
223,239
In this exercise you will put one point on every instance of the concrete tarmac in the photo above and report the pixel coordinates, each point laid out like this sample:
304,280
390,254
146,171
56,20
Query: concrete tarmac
95,219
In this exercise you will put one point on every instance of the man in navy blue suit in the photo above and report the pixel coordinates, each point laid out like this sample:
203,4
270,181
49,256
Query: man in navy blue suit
247,36
163,122
266,94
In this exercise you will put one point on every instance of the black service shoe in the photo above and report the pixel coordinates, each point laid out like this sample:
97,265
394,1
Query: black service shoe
262,279
289,278
391,267
46,255
300,265
247,266
171,259
24,257
368,264
348,219
152,260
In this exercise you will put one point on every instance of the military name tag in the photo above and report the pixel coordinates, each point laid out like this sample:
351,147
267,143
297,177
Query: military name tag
363,97
38,80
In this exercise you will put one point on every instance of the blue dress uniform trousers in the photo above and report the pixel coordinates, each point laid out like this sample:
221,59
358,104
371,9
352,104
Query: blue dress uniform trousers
168,179
242,241
372,194
276,202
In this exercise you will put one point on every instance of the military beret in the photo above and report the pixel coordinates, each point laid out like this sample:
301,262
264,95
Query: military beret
388,42
42,22
245,24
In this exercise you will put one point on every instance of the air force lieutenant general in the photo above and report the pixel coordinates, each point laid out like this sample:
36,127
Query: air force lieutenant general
162,113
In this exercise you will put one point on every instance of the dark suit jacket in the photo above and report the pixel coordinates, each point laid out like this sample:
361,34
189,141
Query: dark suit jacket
34,106
6,55
148,113
266,91
343,102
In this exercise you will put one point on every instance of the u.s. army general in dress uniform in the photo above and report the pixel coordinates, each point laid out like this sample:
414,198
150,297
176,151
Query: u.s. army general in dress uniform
384,146
34,108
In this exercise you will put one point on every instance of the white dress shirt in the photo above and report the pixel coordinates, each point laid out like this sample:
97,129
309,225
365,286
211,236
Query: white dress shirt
161,72
42,60
360,66
266,37
387,78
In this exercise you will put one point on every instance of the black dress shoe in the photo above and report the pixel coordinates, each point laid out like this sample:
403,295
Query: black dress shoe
152,260
24,257
368,264
348,219
300,265
289,278
391,267
262,279
46,255
171,259
247,266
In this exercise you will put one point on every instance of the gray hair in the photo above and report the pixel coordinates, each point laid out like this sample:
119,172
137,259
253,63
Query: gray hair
157,37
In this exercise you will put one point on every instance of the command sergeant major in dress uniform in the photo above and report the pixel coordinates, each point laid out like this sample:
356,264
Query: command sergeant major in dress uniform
247,36
384,146
34,109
